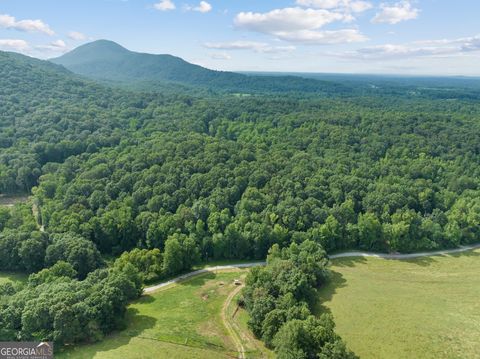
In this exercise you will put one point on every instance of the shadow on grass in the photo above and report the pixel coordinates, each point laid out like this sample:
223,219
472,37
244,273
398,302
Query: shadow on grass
472,253
427,261
145,299
136,325
420,261
198,280
348,261
326,293
354,261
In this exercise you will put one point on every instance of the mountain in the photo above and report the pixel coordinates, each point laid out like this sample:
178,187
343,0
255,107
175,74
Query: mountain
48,114
108,61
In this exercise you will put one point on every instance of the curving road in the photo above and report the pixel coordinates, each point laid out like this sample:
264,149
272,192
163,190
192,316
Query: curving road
237,341
334,256
200,271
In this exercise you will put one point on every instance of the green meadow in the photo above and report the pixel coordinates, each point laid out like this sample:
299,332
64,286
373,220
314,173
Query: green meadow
180,321
423,308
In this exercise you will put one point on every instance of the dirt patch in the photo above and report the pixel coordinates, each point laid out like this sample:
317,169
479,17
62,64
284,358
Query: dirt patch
11,200
237,341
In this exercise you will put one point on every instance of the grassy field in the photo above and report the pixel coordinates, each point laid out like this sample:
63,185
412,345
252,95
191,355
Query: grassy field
12,277
423,308
181,321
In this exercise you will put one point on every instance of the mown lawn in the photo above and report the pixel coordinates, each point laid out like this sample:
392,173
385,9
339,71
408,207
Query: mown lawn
423,308
182,321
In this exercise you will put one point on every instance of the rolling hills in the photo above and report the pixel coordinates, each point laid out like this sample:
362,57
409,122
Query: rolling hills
108,61
191,178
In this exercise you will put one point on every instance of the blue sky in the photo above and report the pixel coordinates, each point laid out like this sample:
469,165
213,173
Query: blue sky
433,37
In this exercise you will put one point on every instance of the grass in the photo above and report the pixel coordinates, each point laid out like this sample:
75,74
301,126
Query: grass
254,348
11,200
181,321
224,262
423,308
12,277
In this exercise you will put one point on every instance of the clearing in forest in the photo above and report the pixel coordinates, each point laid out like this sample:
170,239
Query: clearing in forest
421,308
180,321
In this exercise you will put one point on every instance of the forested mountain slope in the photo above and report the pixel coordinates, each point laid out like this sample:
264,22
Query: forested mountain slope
108,61
177,178
48,114
236,175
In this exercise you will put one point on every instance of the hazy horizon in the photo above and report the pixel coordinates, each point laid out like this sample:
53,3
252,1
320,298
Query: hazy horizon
399,37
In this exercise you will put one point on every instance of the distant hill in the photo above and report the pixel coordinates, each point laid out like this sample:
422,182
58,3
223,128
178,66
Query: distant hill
108,61
48,114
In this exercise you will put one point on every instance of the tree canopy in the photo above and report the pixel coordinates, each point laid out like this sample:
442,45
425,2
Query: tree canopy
156,181
280,298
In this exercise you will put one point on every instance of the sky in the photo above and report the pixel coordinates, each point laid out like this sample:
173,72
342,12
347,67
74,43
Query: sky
406,37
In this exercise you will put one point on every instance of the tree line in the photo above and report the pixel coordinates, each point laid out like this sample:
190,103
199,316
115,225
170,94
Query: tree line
280,299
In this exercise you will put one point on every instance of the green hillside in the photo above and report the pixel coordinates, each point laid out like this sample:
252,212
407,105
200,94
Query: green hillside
189,178
108,61
48,114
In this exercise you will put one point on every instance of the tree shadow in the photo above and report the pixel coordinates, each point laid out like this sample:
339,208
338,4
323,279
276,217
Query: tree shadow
419,261
327,291
198,280
145,299
472,253
348,261
136,325
427,261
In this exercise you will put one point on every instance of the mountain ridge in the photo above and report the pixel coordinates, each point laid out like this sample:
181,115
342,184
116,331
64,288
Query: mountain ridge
106,60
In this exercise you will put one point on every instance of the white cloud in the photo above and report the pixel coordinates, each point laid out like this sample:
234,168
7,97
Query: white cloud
9,22
165,5
398,12
77,36
401,51
463,44
299,25
221,56
287,19
360,6
430,48
14,45
203,7
321,4
58,46
310,37
255,46
356,6
472,44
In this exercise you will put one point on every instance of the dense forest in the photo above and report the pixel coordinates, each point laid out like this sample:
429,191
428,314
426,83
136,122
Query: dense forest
250,173
134,186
